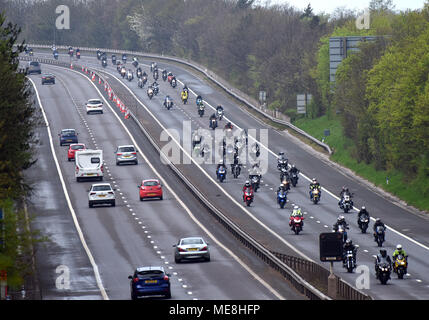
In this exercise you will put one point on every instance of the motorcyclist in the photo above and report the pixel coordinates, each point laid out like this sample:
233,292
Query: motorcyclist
199,100
347,247
220,165
376,224
399,251
197,140
344,191
247,187
213,117
219,110
382,257
293,169
281,161
228,125
167,100
184,95
362,212
296,212
340,221
315,185
185,88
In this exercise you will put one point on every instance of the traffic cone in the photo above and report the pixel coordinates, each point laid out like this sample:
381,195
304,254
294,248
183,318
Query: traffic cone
93,77
118,102
127,114
99,80
71,65
124,108
83,69
114,98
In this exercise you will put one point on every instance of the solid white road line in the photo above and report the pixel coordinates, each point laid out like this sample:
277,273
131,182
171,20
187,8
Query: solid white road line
76,223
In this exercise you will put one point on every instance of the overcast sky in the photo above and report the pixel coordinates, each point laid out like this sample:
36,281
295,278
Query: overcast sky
328,6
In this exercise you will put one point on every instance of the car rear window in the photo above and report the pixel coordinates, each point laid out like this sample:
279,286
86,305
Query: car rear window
101,188
77,147
68,133
34,63
150,273
192,241
150,183
95,101
95,160
126,149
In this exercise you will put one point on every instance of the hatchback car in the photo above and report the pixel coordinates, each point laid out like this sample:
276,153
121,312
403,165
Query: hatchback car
94,105
126,154
150,281
34,67
48,78
150,188
72,150
191,248
101,193
68,136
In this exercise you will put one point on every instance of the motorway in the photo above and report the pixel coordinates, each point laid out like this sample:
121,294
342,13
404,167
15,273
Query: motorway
411,229
133,233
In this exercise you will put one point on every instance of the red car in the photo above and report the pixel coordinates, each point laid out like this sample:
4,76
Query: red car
72,149
150,188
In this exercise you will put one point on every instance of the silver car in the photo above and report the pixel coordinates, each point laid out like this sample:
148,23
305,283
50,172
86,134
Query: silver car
191,248
126,154
101,193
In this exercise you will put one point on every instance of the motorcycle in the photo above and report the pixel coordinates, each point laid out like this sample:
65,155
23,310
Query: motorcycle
144,80
363,223
284,174
78,54
282,163
71,51
384,271
123,72
130,76
213,123
152,66
315,196
150,93
248,197
170,77
155,90
236,170
140,83
400,266
379,236
155,75
173,83
124,58
281,198
346,203
104,63
219,114
199,101
221,174
296,224
168,104
294,178
113,59
201,110
55,55
349,262
98,54
164,75
135,63
255,180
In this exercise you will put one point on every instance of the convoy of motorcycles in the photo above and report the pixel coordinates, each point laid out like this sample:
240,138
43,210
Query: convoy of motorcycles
287,176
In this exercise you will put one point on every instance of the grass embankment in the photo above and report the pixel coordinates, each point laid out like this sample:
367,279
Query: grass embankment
410,192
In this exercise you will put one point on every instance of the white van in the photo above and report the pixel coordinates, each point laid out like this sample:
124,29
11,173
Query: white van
89,164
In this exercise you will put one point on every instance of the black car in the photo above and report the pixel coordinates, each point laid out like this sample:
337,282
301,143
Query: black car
48,78
150,281
68,136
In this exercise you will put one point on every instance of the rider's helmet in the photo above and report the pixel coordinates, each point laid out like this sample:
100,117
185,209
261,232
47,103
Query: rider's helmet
383,253
282,185
247,183
363,208
314,180
220,161
349,242
399,247
378,220
295,208
339,219
293,166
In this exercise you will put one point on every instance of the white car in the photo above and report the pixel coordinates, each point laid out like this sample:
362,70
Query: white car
191,248
94,105
101,193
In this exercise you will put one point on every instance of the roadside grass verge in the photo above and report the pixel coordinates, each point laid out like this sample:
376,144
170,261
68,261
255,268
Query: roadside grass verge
392,181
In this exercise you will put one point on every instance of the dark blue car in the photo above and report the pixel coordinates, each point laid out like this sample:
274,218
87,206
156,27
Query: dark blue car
150,281
68,136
